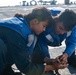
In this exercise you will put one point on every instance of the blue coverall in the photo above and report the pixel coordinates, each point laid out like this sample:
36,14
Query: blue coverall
49,37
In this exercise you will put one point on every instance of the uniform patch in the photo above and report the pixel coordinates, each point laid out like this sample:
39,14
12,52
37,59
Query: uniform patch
49,37
30,40
69,33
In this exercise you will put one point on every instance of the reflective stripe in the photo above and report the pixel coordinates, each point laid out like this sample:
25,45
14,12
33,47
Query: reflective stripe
35,40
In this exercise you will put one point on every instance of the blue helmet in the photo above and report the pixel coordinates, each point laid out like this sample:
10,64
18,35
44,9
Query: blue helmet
56,10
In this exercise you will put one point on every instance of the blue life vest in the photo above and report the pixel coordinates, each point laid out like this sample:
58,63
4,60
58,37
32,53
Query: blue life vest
20,25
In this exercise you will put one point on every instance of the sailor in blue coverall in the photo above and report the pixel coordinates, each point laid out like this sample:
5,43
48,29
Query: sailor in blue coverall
41,48
17,50
49,37
17,41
